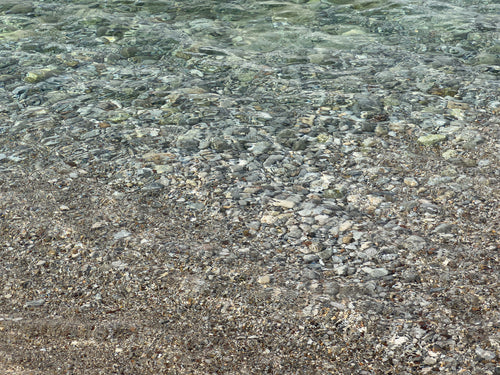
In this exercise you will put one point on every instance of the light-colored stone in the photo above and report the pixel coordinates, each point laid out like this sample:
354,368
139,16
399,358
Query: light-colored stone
410,181
284,203
346,225
266,279
432,139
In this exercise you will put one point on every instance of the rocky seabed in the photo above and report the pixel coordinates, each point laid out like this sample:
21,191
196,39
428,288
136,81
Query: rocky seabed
249,187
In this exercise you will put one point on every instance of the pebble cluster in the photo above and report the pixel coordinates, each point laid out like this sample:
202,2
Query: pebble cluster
335,165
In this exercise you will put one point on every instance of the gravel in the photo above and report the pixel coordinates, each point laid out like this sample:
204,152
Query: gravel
249,187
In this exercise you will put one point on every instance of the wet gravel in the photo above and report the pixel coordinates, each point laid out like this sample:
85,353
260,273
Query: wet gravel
249,187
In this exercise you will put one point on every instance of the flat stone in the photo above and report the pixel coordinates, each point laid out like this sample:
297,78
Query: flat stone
487,355
346,225
310,258
348,238
21,9
449,154
159,157
410,181
326,254
122,234
432,139
284,203
444,228
36,76
35,303
414,243
118,264
266,279
268,219
429,361
375,272
341,270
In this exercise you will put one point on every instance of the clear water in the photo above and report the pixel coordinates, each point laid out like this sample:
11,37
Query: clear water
343,45
243,47
297,30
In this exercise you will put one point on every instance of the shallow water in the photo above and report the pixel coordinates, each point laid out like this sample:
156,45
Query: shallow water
299,29
301,55
294,29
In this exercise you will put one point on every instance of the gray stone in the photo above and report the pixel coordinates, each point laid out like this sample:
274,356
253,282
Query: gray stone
336,259
375,272
341,270
21,9
309,258
429,361
118,264
271,160
487,355
122,234
260,148
411,276
188,142
35,303
310,274
326,254
332,288
444,228
414,243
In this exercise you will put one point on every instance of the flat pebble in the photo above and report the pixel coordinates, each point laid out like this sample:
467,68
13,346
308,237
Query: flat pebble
266,279
375,272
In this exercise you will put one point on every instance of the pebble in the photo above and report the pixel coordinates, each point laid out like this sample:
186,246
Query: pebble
449,154
429,361
266,279
341,270
119,265
35,303
432,139
348,238
345,226
487,355
326,254
444,228
284,203
414,243
310,258
410,181
375,272
122,234
310,274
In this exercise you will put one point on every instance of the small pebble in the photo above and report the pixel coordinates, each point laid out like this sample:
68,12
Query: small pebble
266,279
